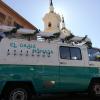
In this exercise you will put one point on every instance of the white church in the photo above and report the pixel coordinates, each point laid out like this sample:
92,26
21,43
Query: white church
54,25
54,30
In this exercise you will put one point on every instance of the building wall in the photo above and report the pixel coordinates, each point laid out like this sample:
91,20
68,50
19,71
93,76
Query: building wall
11,18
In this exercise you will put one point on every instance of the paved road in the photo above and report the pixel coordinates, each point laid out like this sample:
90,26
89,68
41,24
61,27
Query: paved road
66,97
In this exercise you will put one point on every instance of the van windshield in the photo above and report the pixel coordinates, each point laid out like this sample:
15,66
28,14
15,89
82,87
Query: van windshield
94,54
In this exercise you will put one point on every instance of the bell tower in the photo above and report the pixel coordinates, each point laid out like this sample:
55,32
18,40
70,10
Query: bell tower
51,20
64,31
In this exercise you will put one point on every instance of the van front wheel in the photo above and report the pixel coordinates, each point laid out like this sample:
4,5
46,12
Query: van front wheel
18,93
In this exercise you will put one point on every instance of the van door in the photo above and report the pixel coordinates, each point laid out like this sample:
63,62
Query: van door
50,63
73,70
94,62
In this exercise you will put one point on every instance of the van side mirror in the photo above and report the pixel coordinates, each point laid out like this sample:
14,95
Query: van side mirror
98,57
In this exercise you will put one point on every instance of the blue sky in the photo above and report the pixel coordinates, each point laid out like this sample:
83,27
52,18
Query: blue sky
82,17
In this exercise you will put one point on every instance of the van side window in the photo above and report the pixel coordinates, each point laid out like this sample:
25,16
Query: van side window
70,53
64,52
75,53
94,54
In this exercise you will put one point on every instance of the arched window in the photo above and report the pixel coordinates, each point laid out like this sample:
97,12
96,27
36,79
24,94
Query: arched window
49,24
9,21
2,18
58,25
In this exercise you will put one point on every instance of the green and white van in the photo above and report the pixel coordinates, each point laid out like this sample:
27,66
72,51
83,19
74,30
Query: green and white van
32,67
